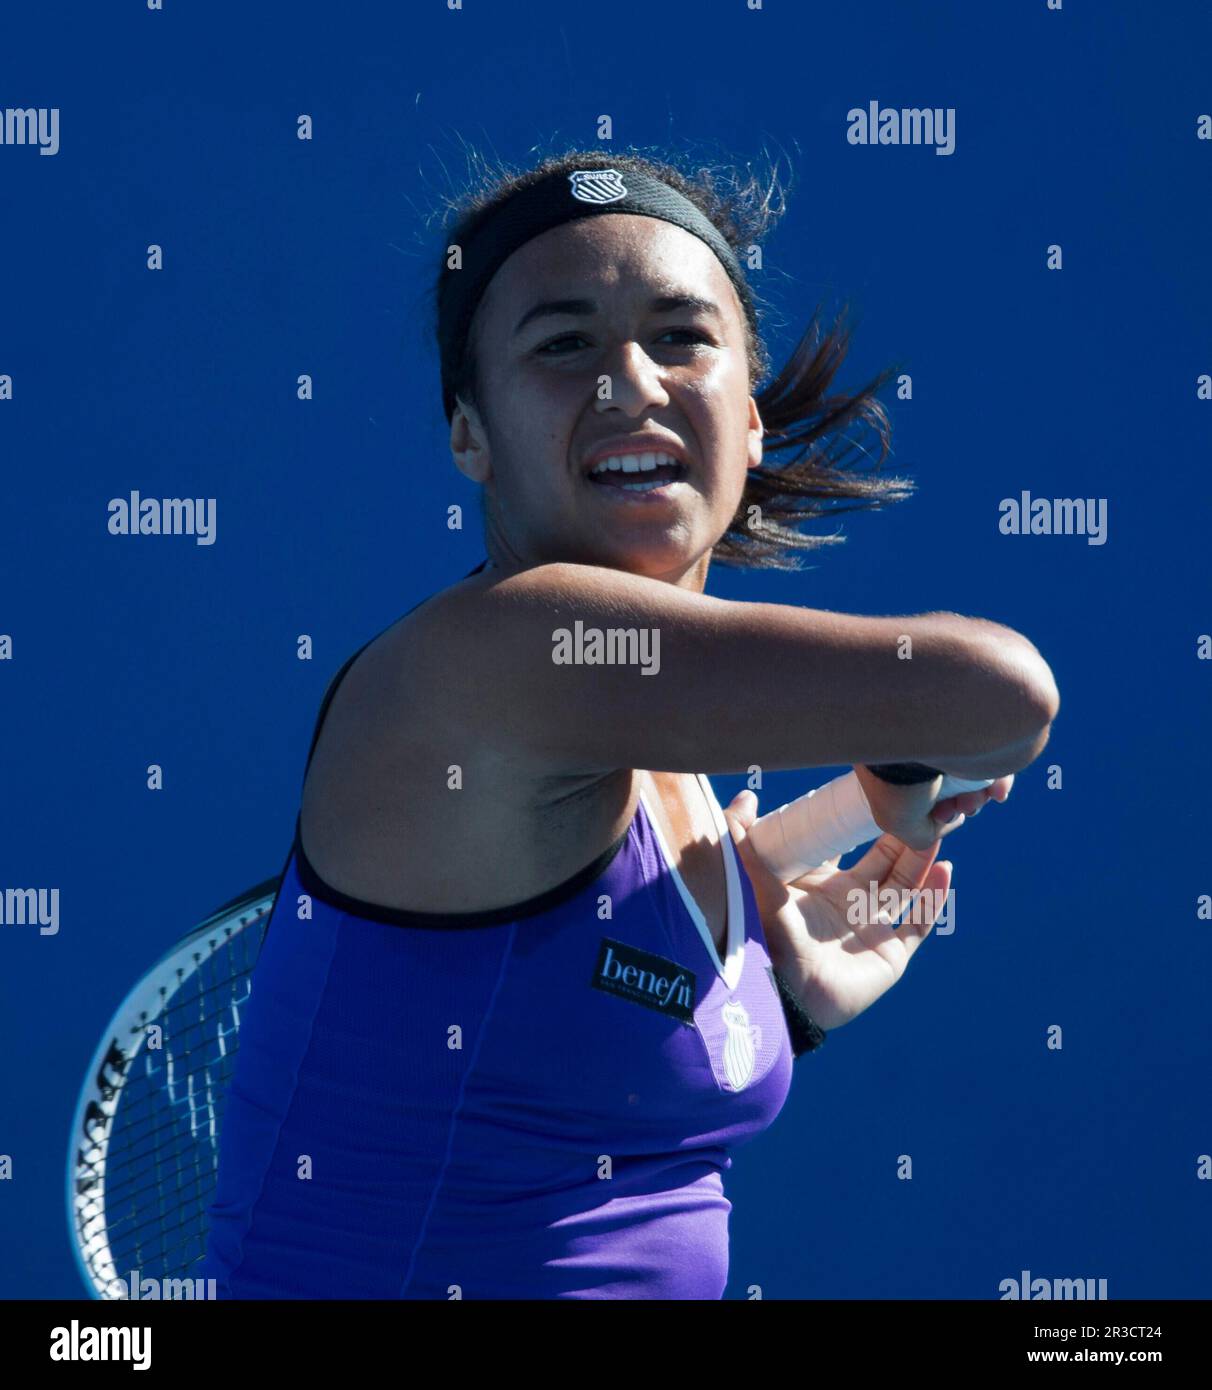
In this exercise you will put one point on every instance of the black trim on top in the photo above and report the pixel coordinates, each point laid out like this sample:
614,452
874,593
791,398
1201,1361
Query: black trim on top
489,917
343,672
401,917
325,702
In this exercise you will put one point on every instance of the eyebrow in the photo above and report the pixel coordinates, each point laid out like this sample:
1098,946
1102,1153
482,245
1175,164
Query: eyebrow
662,304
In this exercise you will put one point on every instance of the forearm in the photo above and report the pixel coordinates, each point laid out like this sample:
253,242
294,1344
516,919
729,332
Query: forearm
1000,698
707,685
998,762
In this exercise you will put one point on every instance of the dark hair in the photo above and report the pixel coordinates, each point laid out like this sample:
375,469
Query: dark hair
804,422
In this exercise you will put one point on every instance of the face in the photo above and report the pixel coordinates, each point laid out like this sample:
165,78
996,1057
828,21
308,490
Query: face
629,368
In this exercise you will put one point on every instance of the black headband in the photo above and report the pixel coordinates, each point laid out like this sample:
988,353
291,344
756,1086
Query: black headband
547,203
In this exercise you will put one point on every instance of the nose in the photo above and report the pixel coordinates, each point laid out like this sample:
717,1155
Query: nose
633,381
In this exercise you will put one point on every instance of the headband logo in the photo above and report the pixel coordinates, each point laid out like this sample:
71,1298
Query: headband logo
597,185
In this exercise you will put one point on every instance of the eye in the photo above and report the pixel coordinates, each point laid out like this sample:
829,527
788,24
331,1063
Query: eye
691,332
567,337
546,349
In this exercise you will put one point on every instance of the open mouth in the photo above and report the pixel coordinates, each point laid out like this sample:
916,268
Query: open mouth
638,473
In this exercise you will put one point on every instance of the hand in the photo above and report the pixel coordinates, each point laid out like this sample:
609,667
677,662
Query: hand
970,803
915,816
837,966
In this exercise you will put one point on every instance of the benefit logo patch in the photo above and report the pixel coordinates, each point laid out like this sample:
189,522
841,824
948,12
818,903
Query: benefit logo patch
643,978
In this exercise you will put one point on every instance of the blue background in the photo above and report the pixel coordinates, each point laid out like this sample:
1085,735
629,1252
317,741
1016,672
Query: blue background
1075,907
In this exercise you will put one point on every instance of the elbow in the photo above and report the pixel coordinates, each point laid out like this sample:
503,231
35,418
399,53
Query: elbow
1034,699
1001,716
1017,721
1004,691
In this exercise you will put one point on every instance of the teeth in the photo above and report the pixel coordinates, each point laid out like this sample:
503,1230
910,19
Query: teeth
632,463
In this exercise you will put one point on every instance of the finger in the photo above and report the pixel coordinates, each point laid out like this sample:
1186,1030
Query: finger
891,862
963,803
923,907
942,831
906,915
814,878
971,803
910,868
742,811
739,815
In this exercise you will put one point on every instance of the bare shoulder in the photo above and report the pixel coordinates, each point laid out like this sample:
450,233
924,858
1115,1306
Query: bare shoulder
412,799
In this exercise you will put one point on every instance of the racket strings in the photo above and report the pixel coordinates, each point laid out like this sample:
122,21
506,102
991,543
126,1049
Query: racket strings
144,1090
164,1067
122,1061
146,1165
123,1155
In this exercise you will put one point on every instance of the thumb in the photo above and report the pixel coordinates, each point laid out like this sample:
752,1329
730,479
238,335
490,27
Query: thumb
741,813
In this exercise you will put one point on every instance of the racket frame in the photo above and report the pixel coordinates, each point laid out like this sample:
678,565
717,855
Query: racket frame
104,1080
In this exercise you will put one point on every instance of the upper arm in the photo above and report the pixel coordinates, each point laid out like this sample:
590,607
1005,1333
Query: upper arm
694,683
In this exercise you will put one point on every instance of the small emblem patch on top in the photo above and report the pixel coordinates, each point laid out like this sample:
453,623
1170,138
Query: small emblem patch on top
597,185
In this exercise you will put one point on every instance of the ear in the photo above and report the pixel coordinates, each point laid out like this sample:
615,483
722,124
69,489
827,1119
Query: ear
756,431
469,443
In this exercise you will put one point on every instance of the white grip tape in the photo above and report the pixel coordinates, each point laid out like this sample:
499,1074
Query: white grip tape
828,821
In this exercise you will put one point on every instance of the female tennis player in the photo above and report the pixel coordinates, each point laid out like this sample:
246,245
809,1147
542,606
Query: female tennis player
525,986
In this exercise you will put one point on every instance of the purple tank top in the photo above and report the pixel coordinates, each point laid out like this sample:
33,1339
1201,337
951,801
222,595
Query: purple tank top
538,1101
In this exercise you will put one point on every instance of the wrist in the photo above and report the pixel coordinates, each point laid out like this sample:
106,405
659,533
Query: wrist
903,774
805,1033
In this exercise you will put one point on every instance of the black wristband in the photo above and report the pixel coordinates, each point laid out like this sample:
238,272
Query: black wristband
806,1036
903,774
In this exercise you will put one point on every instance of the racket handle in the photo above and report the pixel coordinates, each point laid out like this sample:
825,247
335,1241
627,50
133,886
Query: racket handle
828,821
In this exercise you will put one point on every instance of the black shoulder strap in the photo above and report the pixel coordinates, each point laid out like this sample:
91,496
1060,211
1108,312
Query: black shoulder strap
327,700
315,738
340,676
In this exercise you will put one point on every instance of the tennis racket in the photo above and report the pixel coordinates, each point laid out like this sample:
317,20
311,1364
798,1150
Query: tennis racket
145,1137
